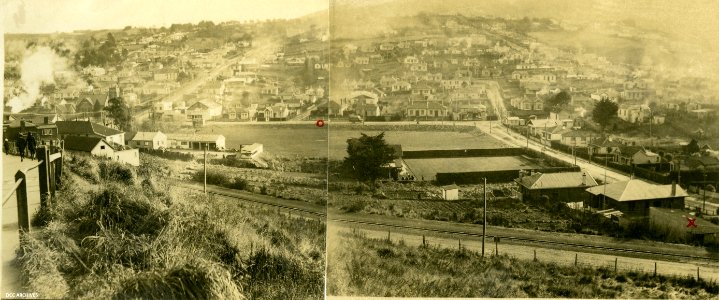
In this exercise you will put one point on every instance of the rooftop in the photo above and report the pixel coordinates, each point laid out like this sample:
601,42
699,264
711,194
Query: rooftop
636,189
557,180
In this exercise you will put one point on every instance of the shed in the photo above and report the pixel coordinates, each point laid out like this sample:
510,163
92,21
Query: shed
450,192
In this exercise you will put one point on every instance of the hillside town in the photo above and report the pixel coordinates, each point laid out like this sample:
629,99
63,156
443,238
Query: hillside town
432,153
130,83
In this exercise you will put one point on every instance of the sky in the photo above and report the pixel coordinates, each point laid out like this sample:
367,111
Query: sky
49,16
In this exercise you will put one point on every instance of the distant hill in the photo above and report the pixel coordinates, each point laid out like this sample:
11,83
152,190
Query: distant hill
693,20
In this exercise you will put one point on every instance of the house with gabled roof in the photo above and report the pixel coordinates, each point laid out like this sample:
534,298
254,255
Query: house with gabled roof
576,138
604,147
89,129
634,197
634,155
149,140
97,146
563,187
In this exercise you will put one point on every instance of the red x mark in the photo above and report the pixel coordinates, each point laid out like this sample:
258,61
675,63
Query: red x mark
692,222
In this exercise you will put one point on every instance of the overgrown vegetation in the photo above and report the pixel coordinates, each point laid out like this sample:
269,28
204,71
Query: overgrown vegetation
124,235
361,266
301,187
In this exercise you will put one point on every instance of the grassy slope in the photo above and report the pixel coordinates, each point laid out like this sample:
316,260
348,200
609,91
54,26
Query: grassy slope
147,239
367,267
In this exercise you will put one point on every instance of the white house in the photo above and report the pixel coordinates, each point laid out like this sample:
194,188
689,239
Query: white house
97,146
149,140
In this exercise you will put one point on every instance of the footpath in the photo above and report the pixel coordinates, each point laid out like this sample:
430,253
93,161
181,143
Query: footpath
10,235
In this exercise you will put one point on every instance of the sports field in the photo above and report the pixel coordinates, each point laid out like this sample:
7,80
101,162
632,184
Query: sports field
415,140
427,168
311,141
298,140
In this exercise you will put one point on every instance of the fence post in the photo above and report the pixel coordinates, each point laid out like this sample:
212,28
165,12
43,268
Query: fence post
576,258
535,254
424,243
389,232
58,169
698,274
23,219
42,170
615,265
655,268
51,178
459,244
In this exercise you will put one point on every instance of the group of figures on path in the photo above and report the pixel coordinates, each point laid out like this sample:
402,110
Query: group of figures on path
25,144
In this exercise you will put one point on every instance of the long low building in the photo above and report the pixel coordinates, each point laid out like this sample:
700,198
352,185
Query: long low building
193,141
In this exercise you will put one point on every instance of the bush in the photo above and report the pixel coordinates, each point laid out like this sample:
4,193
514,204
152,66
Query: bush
194,280
277,275
126,209
85,166
117,172
355,206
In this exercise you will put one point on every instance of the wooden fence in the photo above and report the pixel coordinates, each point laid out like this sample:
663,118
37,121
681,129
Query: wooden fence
49,173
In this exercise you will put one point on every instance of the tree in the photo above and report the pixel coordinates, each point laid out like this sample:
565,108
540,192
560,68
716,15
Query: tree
366,156
557,102
118,110
604,112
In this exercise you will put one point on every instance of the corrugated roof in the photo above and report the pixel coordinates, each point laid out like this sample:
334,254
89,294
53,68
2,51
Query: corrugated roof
82,143
557,180
637,189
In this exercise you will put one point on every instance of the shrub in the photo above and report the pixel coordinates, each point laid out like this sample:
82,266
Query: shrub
123,208
85,166
277,275
194,280
117,172
355,206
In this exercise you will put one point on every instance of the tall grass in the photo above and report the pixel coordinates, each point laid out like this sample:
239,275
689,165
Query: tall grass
360,266
132,235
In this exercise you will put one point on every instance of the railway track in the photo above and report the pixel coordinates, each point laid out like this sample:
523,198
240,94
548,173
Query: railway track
256,200
525,240
319,213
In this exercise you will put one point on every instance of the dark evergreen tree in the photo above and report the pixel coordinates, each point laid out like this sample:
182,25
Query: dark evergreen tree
366,156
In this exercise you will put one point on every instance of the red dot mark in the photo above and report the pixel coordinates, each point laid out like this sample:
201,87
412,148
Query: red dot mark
320,123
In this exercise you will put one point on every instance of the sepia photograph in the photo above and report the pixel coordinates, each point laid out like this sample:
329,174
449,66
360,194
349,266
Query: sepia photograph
360,149
523,149
164,149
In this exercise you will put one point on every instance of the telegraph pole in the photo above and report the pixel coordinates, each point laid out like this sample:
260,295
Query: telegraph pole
205,168
704,187
484,223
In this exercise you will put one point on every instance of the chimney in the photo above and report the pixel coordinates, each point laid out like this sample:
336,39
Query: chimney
584,178
46,120
22,125
674,188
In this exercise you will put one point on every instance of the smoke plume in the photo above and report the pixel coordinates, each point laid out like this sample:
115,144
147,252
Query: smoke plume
37,68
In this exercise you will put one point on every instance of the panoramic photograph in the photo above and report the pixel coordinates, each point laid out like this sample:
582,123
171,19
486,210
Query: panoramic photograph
164,149
349,149
523,149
